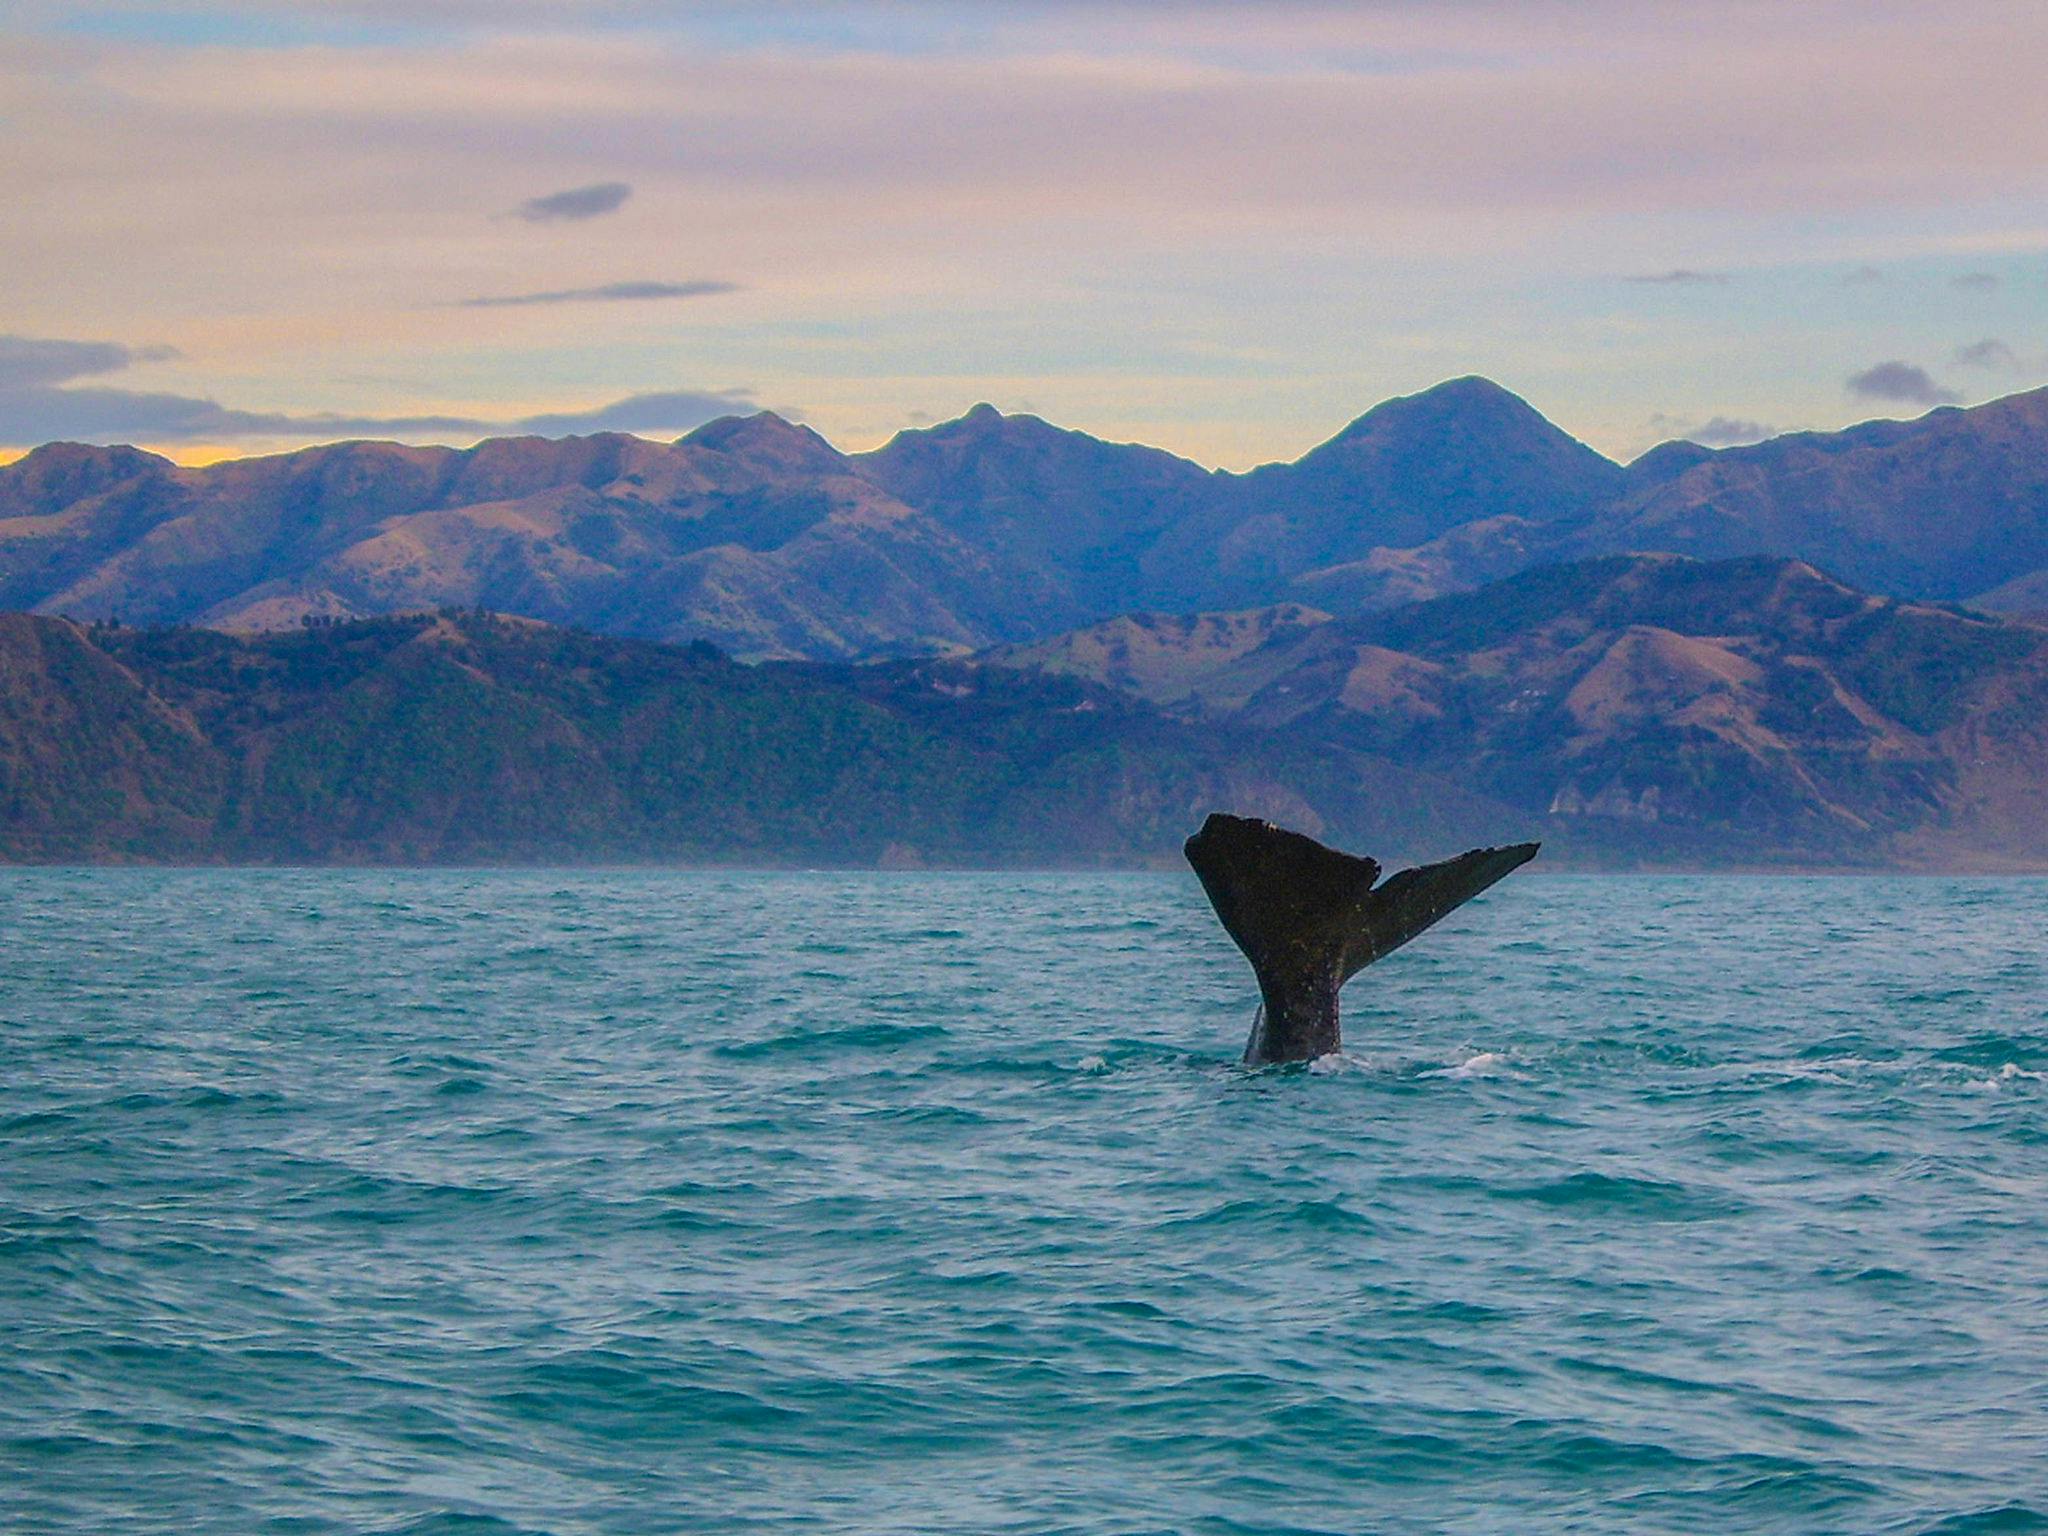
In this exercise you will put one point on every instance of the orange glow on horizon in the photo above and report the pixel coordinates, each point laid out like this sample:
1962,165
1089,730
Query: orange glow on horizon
189,455
196,455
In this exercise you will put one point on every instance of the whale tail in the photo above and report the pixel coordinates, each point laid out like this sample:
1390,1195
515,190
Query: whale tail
1310,918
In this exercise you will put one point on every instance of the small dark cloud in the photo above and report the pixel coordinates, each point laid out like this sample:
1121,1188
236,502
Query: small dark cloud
1682,277
1861,277
1901,382
1975,282
1729,432
589,202
1715,432
39,403
1988,353
607,293
672,410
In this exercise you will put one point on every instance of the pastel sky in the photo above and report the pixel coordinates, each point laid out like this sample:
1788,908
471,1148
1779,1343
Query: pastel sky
241,225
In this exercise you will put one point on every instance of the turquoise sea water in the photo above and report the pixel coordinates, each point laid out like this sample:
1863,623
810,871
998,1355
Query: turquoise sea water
638,1202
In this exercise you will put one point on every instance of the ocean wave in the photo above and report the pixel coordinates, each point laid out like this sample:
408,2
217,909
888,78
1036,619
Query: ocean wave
980,1226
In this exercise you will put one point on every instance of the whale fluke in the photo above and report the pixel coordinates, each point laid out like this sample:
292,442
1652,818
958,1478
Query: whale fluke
1309,919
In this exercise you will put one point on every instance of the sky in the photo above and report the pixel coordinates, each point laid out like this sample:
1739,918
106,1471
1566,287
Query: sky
239,226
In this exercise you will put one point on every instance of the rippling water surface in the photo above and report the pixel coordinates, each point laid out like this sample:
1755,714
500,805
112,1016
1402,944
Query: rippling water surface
589,1202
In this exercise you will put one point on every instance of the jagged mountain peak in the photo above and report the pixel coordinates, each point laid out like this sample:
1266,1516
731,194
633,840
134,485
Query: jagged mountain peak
767,440
1470,405
984,434
980,426
1411,470
996,527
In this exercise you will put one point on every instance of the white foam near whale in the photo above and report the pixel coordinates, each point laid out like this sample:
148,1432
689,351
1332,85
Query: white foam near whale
1484,1064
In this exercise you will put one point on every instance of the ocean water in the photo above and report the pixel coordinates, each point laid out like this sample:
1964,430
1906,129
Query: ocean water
646,1202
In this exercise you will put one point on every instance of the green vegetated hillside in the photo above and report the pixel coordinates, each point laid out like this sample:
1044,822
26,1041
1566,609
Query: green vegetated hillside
761,537
1631,711
475,738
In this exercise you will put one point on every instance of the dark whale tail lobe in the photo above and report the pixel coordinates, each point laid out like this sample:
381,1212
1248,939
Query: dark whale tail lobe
1310,918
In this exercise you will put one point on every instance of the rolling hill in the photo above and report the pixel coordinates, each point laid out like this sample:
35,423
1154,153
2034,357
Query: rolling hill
1706,705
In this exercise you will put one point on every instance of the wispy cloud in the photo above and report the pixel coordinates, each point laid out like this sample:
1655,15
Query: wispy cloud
1682,277
606,293
41,401
1989,353
671,410
1975,282
589,202
1861,277
1902,382
988,200
29,362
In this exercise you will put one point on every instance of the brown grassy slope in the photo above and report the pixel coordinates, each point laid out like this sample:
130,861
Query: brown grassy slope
1661,703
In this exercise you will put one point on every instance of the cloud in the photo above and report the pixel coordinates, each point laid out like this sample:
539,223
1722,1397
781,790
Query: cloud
1862,277
1901,382
990,206
673,410
30,361
1467,110
1975,282
1988,353
1683,277
593,201
39,402
607,293
38,414
1729,432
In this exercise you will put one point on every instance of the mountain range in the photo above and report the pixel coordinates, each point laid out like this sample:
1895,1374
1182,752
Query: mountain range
1635,711
756,534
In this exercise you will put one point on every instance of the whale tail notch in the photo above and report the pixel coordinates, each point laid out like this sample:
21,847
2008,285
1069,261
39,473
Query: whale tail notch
1310,918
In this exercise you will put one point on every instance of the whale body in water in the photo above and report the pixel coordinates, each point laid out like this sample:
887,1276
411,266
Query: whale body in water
1310,918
